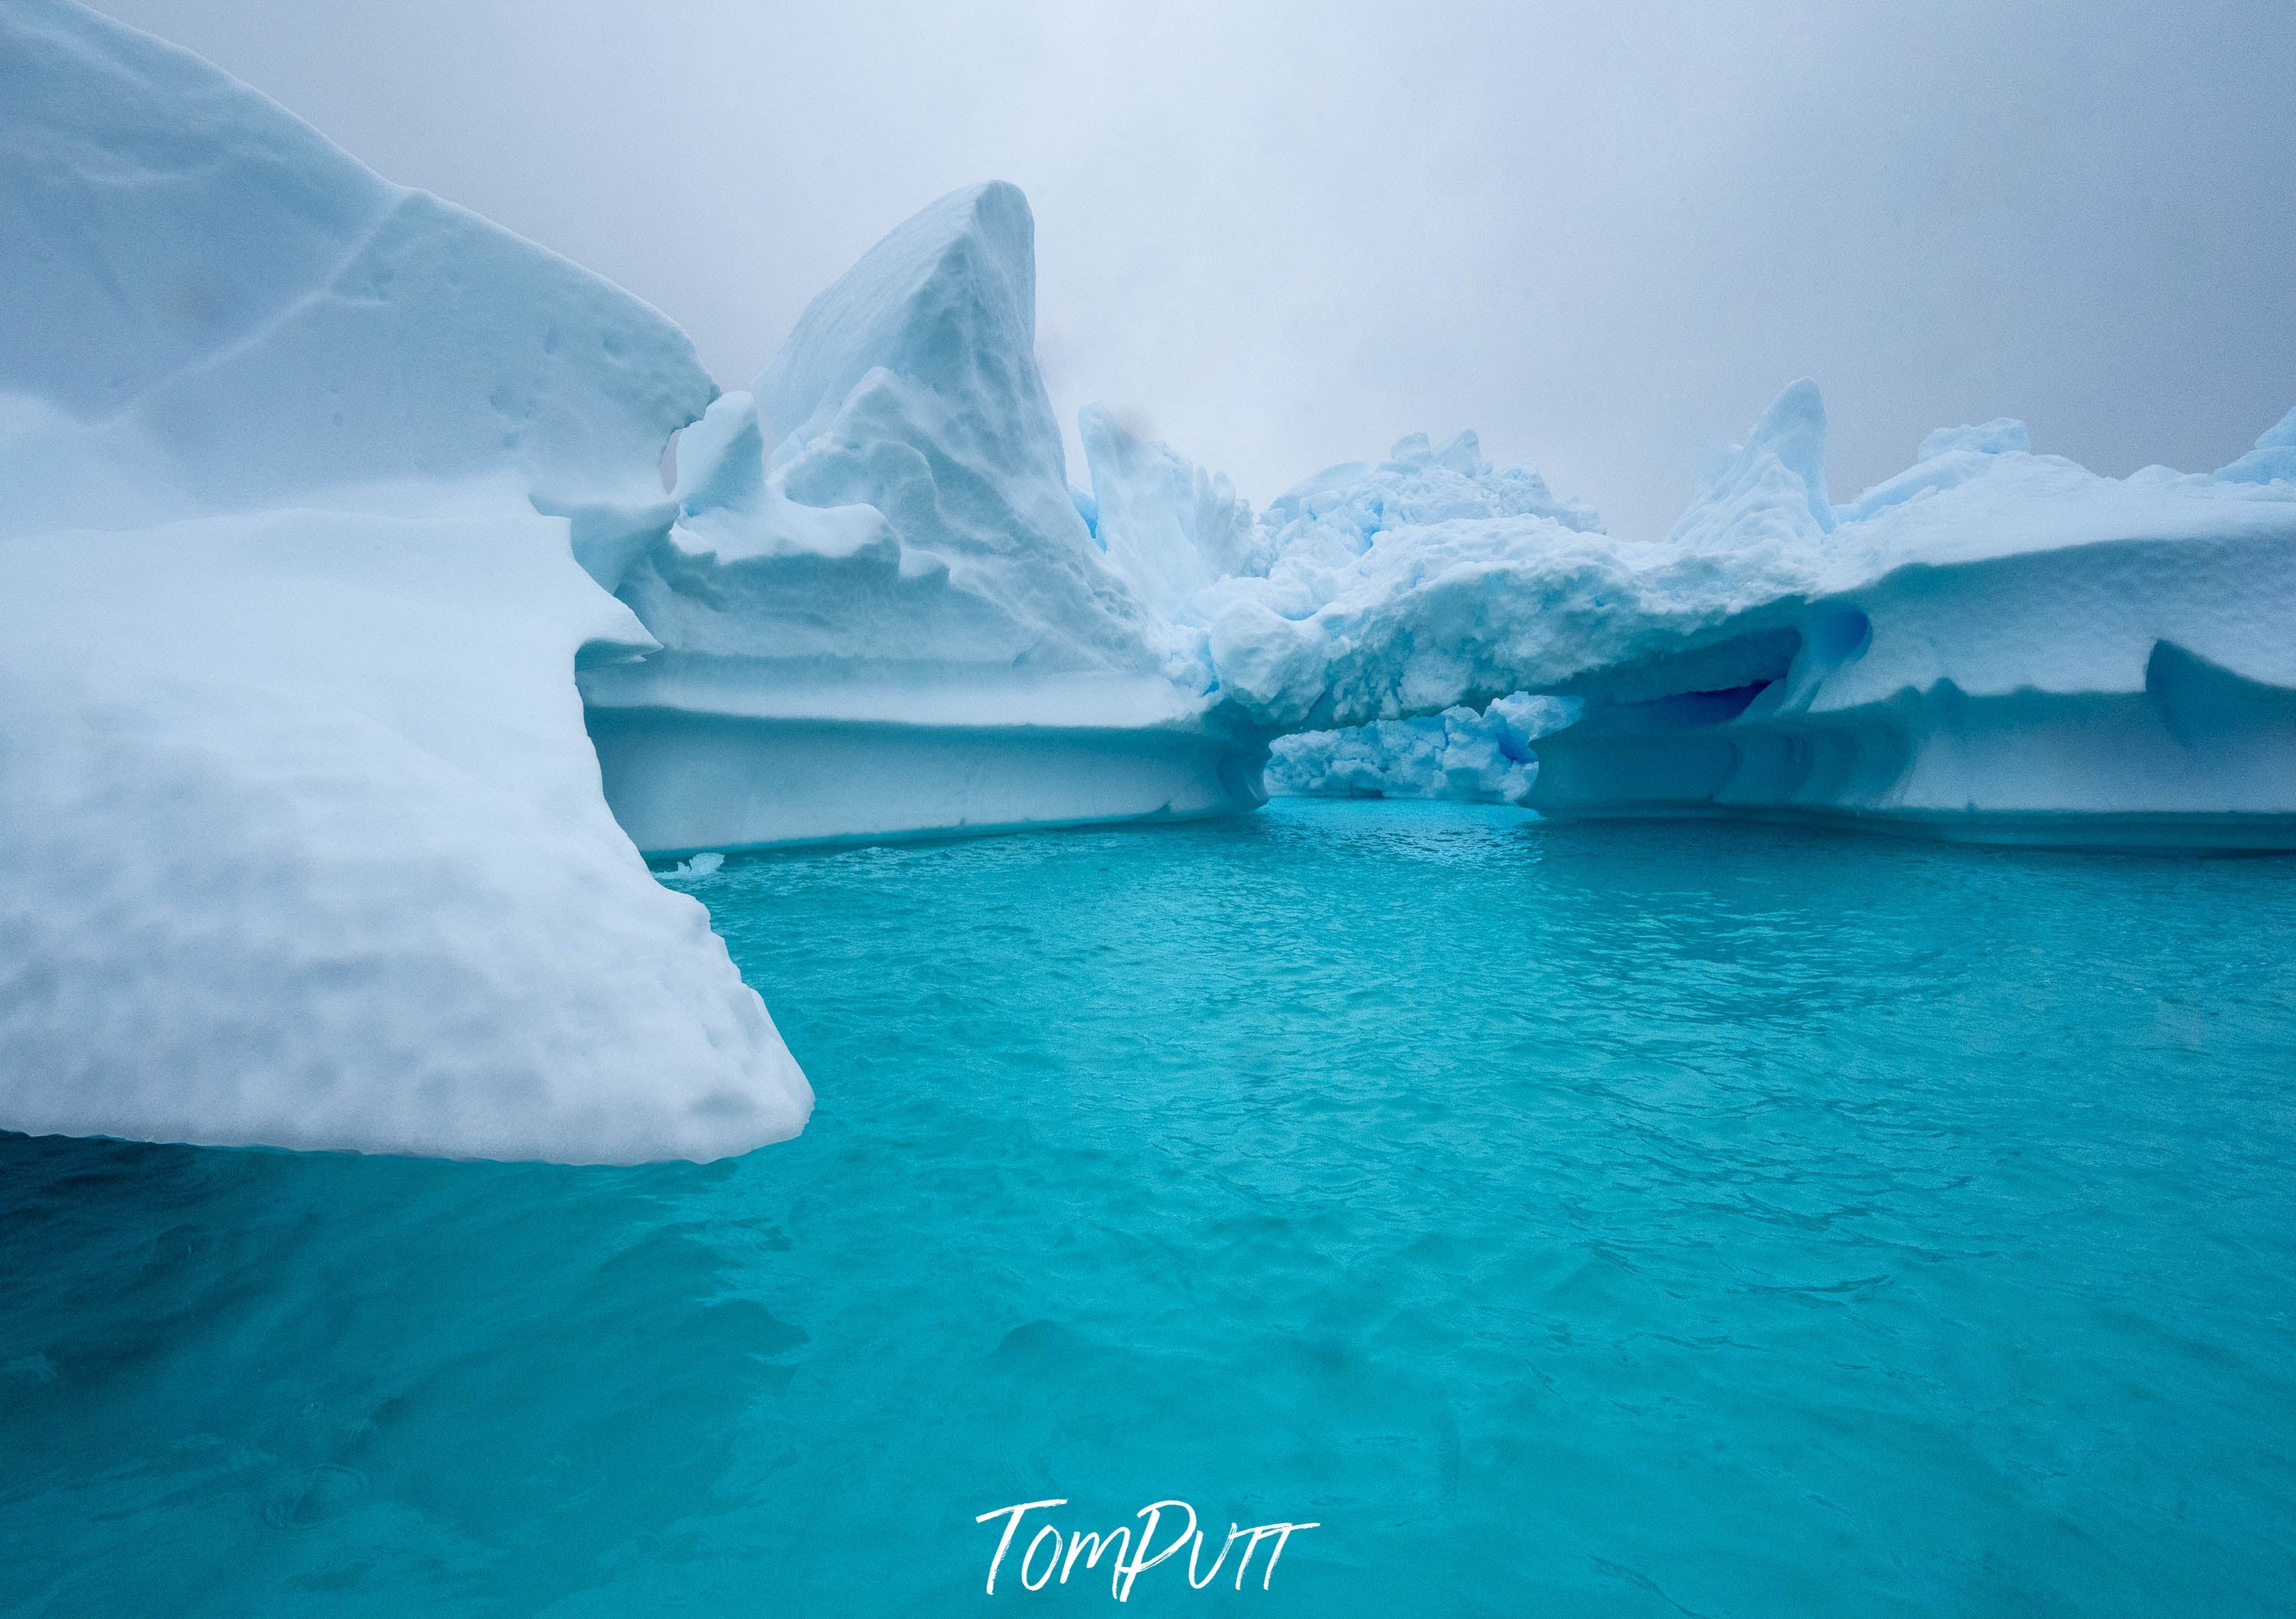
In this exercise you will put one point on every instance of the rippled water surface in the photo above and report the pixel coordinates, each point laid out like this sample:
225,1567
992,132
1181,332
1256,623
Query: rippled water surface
1605,1221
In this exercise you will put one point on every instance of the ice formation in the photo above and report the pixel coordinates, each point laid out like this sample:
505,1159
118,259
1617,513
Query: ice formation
319,488
1993,645
882,611
1388,589
1484,757
301,841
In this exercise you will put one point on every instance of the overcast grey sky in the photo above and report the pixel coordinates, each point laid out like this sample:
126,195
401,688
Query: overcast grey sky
1282,236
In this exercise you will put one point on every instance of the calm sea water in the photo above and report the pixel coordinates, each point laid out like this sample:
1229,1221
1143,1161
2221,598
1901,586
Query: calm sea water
1634,1220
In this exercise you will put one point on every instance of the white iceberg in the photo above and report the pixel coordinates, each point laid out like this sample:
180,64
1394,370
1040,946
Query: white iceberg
318,487
1172,528
301,840
1993,645
885,612
881,610
1393,590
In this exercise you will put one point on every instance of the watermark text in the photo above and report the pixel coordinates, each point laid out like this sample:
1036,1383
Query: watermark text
1052,1551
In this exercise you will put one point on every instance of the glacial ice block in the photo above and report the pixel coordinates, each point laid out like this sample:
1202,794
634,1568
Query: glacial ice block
1422,509
881,611
301,840
301,844
1487,758
1399,589
1991,645
1170,527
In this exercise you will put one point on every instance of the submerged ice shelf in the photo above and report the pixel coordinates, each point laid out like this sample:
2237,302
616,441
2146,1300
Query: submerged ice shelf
359,649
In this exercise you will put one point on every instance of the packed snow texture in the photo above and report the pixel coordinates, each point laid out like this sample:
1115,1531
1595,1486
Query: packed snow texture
353,884
888,500
301,840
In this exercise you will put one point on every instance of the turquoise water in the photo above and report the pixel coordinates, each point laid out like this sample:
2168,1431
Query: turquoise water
1632,1219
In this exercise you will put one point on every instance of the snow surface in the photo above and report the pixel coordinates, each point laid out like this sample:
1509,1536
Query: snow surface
301,839
350,883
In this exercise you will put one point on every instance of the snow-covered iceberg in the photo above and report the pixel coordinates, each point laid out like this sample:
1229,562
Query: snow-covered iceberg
1315,540
1392,590
1993,645
346,615
881,610
301,839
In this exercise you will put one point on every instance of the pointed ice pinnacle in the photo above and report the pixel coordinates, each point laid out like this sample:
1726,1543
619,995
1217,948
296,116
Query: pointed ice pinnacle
1774,485
891,494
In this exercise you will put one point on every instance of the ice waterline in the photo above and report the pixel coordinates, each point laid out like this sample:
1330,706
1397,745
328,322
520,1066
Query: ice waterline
1574,1220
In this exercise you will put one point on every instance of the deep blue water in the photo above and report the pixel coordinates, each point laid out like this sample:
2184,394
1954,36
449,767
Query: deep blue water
1629,1220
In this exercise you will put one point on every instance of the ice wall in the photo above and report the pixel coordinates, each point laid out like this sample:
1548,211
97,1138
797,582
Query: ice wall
301,841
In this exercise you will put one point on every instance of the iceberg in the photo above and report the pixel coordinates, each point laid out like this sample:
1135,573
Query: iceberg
884,612
302,842
382,588
881,611
1994,645
1316,535
1394,589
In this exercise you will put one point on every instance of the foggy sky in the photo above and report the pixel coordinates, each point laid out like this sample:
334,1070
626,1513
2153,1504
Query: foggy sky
1280,236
